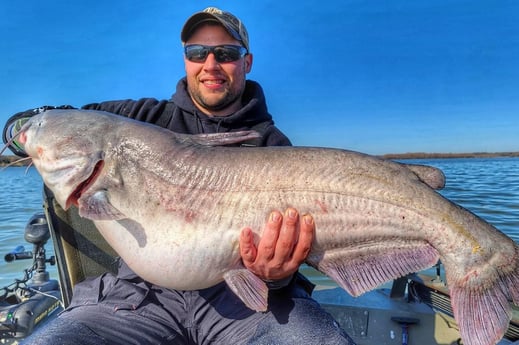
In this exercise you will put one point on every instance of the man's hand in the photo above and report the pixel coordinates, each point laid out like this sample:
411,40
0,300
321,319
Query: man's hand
284,246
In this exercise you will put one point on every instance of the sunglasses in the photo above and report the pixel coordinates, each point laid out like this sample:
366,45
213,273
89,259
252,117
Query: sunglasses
222,53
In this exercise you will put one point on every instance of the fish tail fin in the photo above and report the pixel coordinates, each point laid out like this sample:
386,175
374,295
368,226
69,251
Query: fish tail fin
511,282
483,312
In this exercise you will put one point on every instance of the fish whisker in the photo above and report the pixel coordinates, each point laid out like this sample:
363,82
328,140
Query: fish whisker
28,165
23,159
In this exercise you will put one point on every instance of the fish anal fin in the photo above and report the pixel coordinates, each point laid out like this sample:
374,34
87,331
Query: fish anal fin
248,287
97,207
360,269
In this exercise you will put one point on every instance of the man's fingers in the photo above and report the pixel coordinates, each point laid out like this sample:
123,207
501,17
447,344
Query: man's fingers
288,236
248,250
306,238
284,245
298,251
267,244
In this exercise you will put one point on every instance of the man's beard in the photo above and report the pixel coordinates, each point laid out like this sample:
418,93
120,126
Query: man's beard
222,103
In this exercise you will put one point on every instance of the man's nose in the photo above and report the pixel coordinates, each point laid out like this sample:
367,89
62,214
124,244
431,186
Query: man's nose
210,62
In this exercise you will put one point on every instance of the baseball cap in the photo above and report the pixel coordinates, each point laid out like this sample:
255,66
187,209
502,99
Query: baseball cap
230,22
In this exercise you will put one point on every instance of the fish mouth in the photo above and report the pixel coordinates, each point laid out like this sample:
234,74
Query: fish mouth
83,186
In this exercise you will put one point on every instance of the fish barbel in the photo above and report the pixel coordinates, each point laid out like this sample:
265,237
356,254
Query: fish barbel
173,206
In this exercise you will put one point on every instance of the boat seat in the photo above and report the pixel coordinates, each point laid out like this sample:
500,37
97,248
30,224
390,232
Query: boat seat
80,250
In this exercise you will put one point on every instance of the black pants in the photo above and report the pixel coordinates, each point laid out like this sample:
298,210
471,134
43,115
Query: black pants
127,310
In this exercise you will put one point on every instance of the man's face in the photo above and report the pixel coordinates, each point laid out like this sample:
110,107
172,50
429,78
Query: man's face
216,88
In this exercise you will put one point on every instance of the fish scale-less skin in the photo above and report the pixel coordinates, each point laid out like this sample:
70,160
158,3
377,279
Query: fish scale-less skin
173,207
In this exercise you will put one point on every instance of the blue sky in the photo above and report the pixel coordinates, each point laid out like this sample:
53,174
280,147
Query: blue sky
374,76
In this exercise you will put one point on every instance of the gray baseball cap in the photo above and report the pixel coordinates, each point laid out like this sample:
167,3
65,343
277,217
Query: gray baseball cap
229,21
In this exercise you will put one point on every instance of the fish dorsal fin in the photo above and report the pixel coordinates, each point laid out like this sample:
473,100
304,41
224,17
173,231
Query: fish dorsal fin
431,176
248,287
219,139
362,268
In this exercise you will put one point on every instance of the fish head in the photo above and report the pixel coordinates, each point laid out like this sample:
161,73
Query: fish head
68,158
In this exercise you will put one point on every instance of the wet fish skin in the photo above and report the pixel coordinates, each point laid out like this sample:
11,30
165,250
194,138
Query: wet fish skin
173,206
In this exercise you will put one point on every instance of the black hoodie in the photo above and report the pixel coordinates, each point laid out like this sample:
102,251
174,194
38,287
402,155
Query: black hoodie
180,115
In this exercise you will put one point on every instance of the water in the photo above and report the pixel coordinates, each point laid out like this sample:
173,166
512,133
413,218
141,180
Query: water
20,198
487,187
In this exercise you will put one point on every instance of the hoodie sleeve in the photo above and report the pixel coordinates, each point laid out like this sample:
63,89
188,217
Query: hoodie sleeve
274,137
144,109
270,135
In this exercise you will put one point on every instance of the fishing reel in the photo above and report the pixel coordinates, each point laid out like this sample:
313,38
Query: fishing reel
29,301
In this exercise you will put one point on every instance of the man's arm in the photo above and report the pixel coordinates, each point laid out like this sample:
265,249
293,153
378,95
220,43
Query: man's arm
284,246
144,109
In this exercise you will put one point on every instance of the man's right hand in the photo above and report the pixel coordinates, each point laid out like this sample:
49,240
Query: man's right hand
285,244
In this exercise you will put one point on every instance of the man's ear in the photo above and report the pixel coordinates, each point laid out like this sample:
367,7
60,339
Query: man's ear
248,62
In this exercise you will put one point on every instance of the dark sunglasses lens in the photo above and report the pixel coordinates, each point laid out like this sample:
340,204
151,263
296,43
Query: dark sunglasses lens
227,54
196,53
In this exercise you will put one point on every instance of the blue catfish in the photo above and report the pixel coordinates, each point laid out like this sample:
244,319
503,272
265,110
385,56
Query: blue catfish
172,206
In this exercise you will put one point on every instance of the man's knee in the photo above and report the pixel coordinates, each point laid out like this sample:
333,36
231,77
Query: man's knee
62,331
302,321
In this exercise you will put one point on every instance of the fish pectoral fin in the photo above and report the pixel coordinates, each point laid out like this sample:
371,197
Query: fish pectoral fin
219,139
359,269
251,289
98,207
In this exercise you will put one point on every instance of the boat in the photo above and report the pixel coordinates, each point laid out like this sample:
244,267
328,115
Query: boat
31,301
414,309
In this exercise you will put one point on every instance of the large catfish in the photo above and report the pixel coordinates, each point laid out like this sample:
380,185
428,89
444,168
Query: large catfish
173,206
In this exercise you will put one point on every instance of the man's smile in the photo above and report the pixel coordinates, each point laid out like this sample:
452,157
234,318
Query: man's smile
213,83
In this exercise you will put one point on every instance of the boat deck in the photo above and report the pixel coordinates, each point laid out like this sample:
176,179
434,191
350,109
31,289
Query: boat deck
376,317
369,319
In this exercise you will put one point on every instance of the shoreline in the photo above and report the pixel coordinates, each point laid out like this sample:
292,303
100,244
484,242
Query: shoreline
424,155
11,160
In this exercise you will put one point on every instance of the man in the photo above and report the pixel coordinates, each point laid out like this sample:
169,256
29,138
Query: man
124,309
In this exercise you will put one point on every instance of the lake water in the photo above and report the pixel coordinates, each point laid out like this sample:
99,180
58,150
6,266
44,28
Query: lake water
20,198
487,187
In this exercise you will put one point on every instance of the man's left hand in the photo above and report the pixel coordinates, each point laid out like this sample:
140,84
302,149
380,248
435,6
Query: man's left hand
284,246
